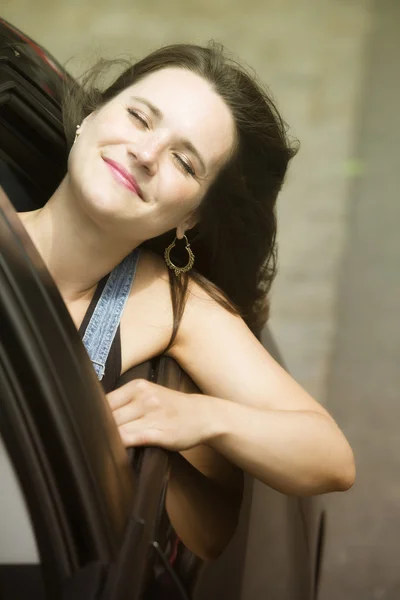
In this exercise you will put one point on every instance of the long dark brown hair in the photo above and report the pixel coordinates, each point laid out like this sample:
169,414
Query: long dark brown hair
234,241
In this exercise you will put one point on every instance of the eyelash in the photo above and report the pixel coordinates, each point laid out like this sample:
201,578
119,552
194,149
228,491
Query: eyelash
183,164
187,168
138,117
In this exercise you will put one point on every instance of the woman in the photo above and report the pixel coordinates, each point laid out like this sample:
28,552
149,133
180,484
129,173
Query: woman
186,145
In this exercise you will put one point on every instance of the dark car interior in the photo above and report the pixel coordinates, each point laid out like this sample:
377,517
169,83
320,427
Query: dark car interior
97,513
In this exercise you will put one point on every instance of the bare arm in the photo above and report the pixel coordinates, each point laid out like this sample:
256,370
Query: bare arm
295,452
262,420
252,414
203,500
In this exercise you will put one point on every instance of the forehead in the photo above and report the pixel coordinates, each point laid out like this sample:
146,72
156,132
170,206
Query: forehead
191,109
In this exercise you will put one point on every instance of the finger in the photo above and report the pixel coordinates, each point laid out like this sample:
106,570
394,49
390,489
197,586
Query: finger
126,393
137,434
127,413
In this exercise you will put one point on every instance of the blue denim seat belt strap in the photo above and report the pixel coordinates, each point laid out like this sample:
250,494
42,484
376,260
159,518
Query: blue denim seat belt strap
103,325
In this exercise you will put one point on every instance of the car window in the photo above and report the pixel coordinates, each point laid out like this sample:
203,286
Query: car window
18,543
17,187
20,569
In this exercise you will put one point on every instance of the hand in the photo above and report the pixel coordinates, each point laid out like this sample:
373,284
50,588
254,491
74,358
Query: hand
148,414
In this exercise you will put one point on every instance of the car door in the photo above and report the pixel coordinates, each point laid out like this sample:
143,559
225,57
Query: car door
78,517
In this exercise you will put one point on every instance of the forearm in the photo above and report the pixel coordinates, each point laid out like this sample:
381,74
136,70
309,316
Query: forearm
203,512
295,452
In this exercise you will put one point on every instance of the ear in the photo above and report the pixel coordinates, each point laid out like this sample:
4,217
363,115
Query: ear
186,224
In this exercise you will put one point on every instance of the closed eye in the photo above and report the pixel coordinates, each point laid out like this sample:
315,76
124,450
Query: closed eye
185,165
138,117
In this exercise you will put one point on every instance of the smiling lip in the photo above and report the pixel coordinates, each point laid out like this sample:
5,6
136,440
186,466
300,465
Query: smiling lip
124,177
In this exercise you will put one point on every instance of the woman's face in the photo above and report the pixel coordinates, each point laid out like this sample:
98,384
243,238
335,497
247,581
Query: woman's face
145,160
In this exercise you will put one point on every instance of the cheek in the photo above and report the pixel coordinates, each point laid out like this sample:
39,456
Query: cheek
176,191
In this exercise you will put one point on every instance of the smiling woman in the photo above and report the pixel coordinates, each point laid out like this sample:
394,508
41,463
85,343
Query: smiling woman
156,143
242,198
185,145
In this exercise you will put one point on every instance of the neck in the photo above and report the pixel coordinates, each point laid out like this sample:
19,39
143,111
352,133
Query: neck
77,250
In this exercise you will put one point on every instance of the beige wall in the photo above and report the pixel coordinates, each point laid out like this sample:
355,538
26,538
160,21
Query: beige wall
309,53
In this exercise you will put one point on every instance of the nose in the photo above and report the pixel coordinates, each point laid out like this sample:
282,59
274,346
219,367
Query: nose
147,153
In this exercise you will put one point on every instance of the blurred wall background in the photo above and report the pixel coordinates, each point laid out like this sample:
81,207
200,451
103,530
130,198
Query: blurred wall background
310,54
333,68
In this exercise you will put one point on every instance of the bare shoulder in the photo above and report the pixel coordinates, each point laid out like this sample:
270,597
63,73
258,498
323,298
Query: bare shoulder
153,275
152,281
225,359
204,312
146,325
208,328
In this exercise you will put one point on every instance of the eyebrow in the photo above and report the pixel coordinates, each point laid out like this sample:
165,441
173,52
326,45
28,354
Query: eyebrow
186,143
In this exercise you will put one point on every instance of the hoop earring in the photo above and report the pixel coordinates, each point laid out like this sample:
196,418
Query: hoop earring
170,264
78,132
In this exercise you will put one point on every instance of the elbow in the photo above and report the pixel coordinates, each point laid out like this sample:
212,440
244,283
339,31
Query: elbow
339,477
346,470
343,476
346,478
343,468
